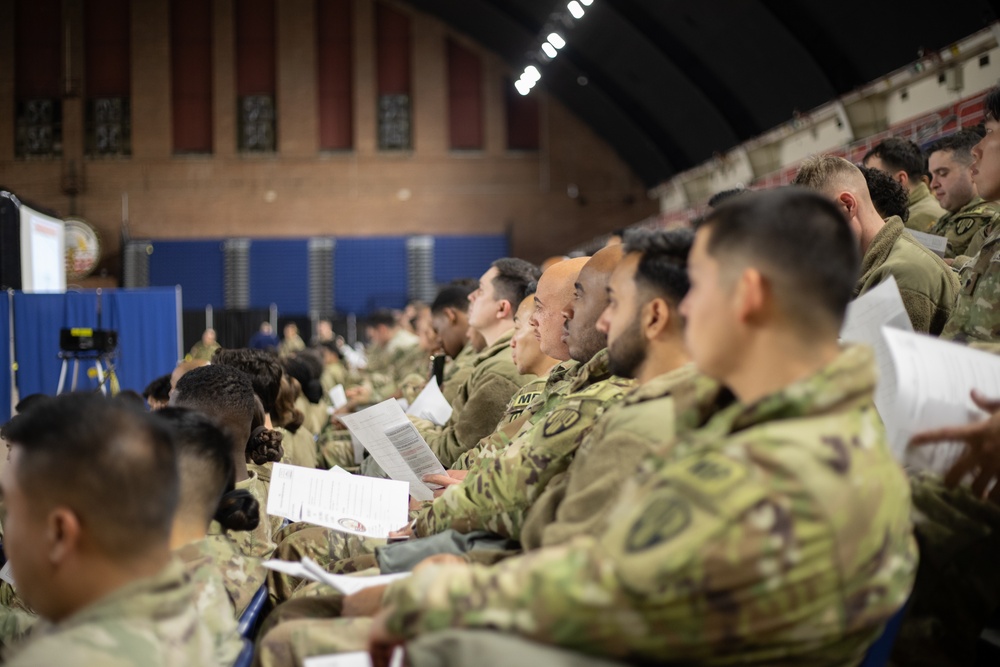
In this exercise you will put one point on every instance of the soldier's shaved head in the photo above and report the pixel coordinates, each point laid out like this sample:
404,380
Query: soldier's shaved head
590,298
829,174
555,290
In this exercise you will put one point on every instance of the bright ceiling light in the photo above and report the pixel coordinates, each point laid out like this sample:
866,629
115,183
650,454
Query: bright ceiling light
531,74
575,9
587,3
549,50
522,87
556,40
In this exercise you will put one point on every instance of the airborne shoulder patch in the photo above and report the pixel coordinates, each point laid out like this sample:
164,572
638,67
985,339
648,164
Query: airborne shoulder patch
559,421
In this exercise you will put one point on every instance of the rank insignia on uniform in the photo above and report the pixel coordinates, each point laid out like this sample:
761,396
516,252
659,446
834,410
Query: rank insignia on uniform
665,518
559,421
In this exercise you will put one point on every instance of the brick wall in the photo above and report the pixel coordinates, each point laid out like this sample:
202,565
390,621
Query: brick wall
299,191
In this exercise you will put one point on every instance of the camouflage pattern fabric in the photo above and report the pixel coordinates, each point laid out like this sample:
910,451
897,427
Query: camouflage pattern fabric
457,371
962,226
502,485
957,589
241,576
256,543
512,424
333,374
299,447
646,421
976,316
201,352
777,535
151,622
290,643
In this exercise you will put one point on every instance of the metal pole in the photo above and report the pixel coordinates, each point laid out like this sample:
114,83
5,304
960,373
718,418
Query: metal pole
180,323
274,319
209,317
14,397
352,329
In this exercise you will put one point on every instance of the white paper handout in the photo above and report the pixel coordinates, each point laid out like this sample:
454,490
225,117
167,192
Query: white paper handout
396,445
346,584
349,503
866,315
338,397
431,405
936,244
933,381
354,659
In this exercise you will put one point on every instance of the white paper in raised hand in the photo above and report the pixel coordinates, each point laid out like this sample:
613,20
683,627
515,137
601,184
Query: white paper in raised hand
348,503
866,315
347,584
934,378
396,445
338,397
431,405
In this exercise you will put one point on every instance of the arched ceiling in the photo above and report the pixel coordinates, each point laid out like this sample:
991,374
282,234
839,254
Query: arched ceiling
668,83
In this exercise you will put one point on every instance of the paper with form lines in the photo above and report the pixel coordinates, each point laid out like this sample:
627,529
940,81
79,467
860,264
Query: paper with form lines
396,445
348,503
345,583
355,659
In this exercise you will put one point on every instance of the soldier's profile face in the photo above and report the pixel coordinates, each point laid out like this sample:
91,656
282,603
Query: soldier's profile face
951,181
710,334
482,302
986,162
524,344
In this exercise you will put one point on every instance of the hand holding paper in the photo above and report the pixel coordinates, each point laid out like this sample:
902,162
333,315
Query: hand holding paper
431,405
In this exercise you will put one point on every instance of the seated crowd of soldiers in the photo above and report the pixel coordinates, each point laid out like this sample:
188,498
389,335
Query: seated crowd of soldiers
660,453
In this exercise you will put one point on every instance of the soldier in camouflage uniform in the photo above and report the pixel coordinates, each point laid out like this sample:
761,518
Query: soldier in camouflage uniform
950,165
976,316
778,534
481,401
906,163
105,583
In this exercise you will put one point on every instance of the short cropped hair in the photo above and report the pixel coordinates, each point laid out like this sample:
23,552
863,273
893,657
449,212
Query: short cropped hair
722,196
113,465
888,195
898,154
991,104
222,392
262,368
819,172
382,316
800,241
512,280
158,389
960,144
662,264
455,295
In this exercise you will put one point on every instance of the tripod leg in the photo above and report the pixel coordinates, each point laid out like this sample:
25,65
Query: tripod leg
62,377
76,374
100,376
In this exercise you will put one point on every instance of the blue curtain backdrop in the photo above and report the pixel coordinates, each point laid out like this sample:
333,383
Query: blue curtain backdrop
146,322
4,357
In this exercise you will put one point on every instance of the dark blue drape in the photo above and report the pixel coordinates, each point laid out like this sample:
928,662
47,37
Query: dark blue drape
146,322
4,357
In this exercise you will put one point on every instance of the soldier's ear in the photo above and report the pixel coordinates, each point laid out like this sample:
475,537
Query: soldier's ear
655,318
62,534
504,310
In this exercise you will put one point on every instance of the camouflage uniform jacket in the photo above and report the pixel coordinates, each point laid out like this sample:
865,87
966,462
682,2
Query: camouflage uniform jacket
928,285
500,488
554,384
647,420
963,225
777,535
480,403
457,372
925,210
299,447
256,543
333,374
976,316
201,352
241,575
152,622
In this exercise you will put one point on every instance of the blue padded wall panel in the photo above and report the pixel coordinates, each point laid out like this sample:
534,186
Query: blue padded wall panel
279,274
5,385
466,256
369,273
197,266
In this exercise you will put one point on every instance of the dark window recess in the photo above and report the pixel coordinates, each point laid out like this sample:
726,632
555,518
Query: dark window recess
256,120
394,122
109,130
38,128
984,60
